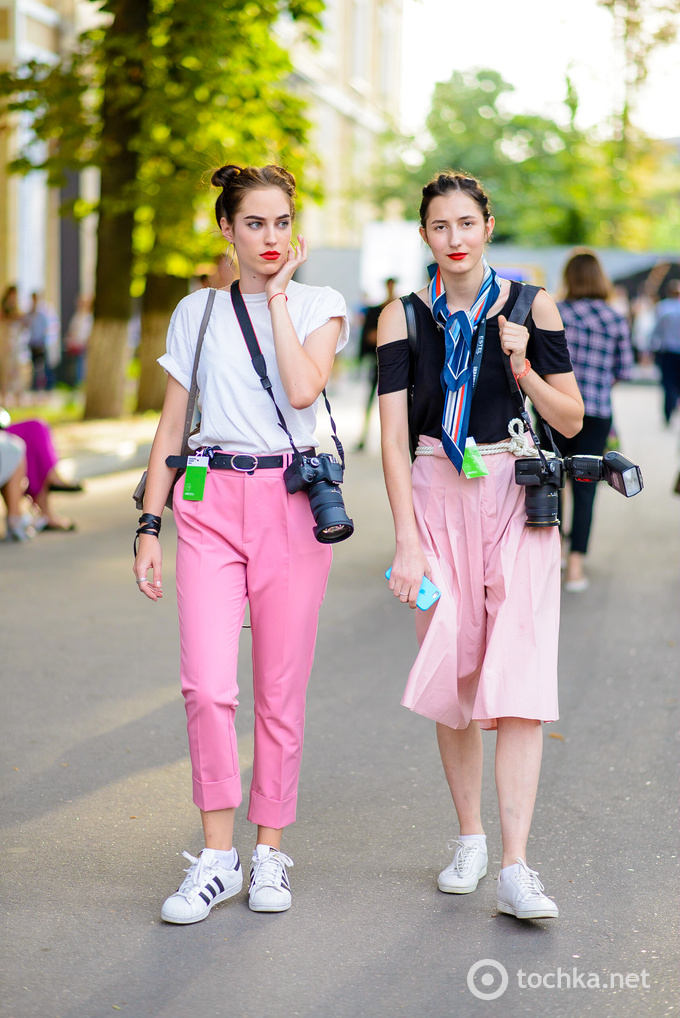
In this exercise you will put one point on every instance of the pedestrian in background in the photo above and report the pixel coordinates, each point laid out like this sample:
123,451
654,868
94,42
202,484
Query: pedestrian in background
599,343
246,538
37,325
665,341
10,360
76,339
488,647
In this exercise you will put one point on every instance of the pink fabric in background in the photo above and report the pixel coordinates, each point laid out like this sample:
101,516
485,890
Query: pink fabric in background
248,538
41,455
489,646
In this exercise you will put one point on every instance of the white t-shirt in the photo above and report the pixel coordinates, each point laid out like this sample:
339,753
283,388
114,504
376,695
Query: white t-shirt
236,412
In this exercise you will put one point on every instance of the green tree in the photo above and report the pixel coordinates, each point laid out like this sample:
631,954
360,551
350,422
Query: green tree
162,92
550,182
641,26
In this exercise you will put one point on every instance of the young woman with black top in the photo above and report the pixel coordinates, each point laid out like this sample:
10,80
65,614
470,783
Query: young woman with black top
488,648
245,537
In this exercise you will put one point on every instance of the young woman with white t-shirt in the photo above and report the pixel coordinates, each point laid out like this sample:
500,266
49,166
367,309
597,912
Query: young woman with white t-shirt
247,538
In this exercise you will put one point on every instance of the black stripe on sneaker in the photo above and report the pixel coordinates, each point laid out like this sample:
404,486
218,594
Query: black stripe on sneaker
284,881
209,887
205,897
219,884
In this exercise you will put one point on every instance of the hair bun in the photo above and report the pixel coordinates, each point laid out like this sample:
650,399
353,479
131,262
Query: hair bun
224,176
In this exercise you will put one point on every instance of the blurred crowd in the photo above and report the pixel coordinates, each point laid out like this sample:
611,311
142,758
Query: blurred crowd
34,355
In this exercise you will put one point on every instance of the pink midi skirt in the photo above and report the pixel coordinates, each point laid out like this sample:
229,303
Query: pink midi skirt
488,648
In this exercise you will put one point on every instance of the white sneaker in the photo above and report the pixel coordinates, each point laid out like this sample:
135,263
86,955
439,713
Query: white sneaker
520,893
269,886
467,868
207,882
19,529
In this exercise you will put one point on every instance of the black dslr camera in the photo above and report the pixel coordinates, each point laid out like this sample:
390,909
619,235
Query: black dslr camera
321,476
545,476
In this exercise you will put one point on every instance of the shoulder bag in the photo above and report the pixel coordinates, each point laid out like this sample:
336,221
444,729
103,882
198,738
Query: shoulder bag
138,493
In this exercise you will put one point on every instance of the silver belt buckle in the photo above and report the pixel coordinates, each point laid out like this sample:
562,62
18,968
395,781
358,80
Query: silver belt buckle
244,456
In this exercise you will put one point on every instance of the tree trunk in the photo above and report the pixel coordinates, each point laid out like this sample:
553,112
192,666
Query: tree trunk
160,298
123,84
106,365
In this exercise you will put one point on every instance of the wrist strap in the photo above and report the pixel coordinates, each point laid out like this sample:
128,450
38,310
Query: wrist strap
260,366
149,524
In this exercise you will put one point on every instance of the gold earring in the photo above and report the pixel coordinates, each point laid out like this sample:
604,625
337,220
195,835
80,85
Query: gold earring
230,261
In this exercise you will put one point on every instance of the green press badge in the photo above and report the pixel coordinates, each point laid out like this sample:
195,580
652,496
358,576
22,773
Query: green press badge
473,461
194,478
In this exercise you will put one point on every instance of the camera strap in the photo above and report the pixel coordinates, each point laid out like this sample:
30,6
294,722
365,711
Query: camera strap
519,315
260,366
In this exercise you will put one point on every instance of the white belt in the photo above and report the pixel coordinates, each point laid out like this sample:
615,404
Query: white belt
518,444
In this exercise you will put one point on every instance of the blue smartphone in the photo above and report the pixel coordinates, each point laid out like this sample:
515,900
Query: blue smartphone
427,595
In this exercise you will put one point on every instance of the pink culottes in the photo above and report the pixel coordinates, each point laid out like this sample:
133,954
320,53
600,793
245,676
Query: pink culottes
247,540
488,648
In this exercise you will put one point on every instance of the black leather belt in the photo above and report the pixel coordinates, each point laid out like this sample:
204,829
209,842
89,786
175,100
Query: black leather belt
243,461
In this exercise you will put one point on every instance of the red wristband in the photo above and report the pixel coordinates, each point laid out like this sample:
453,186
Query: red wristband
279,294
525,372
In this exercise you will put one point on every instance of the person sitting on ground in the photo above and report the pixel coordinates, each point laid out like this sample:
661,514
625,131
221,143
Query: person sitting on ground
12,485
41,472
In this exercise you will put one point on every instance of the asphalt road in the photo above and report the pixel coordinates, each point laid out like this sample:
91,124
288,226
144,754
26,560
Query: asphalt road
96,791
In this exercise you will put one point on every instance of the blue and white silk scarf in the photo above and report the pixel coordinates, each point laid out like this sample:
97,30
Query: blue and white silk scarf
456,376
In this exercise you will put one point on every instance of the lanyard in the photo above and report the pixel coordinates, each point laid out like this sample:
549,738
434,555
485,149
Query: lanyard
479,350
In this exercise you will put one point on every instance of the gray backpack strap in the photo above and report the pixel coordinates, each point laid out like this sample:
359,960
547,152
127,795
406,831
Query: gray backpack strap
520,311
194,380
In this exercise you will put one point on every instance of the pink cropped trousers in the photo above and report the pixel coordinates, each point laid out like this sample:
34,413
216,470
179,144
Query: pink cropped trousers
248,540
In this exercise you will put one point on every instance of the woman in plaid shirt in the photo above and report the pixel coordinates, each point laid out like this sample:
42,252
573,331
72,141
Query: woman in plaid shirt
601,352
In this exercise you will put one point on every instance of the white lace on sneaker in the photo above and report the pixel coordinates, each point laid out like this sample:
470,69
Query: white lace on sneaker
466,869
207,883
528,881
269,887
523,895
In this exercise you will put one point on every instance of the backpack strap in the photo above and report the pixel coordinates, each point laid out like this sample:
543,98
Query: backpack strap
520,311
412,336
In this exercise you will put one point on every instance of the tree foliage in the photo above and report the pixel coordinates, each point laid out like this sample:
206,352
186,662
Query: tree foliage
550,182
155,97
641,26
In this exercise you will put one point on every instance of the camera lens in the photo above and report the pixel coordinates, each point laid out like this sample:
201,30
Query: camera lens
332,522
542,505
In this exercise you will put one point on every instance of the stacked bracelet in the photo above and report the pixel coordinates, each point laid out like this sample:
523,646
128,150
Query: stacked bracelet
279,294
149,524
525,371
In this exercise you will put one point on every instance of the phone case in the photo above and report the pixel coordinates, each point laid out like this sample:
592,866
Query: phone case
427,595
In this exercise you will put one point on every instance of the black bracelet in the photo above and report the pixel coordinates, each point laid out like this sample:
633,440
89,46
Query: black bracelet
149,524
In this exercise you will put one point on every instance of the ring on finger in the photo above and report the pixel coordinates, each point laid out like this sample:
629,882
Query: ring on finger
141,579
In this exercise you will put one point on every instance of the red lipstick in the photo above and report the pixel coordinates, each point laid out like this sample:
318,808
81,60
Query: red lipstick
271,256
458,256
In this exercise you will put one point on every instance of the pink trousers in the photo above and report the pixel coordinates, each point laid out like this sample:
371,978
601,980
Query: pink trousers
247,540
489,645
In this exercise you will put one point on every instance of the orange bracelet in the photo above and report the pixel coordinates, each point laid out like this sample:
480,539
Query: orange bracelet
525,372
279,294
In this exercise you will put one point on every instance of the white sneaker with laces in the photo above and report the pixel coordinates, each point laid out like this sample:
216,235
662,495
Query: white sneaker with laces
520,893
207,882
269,885
467,868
